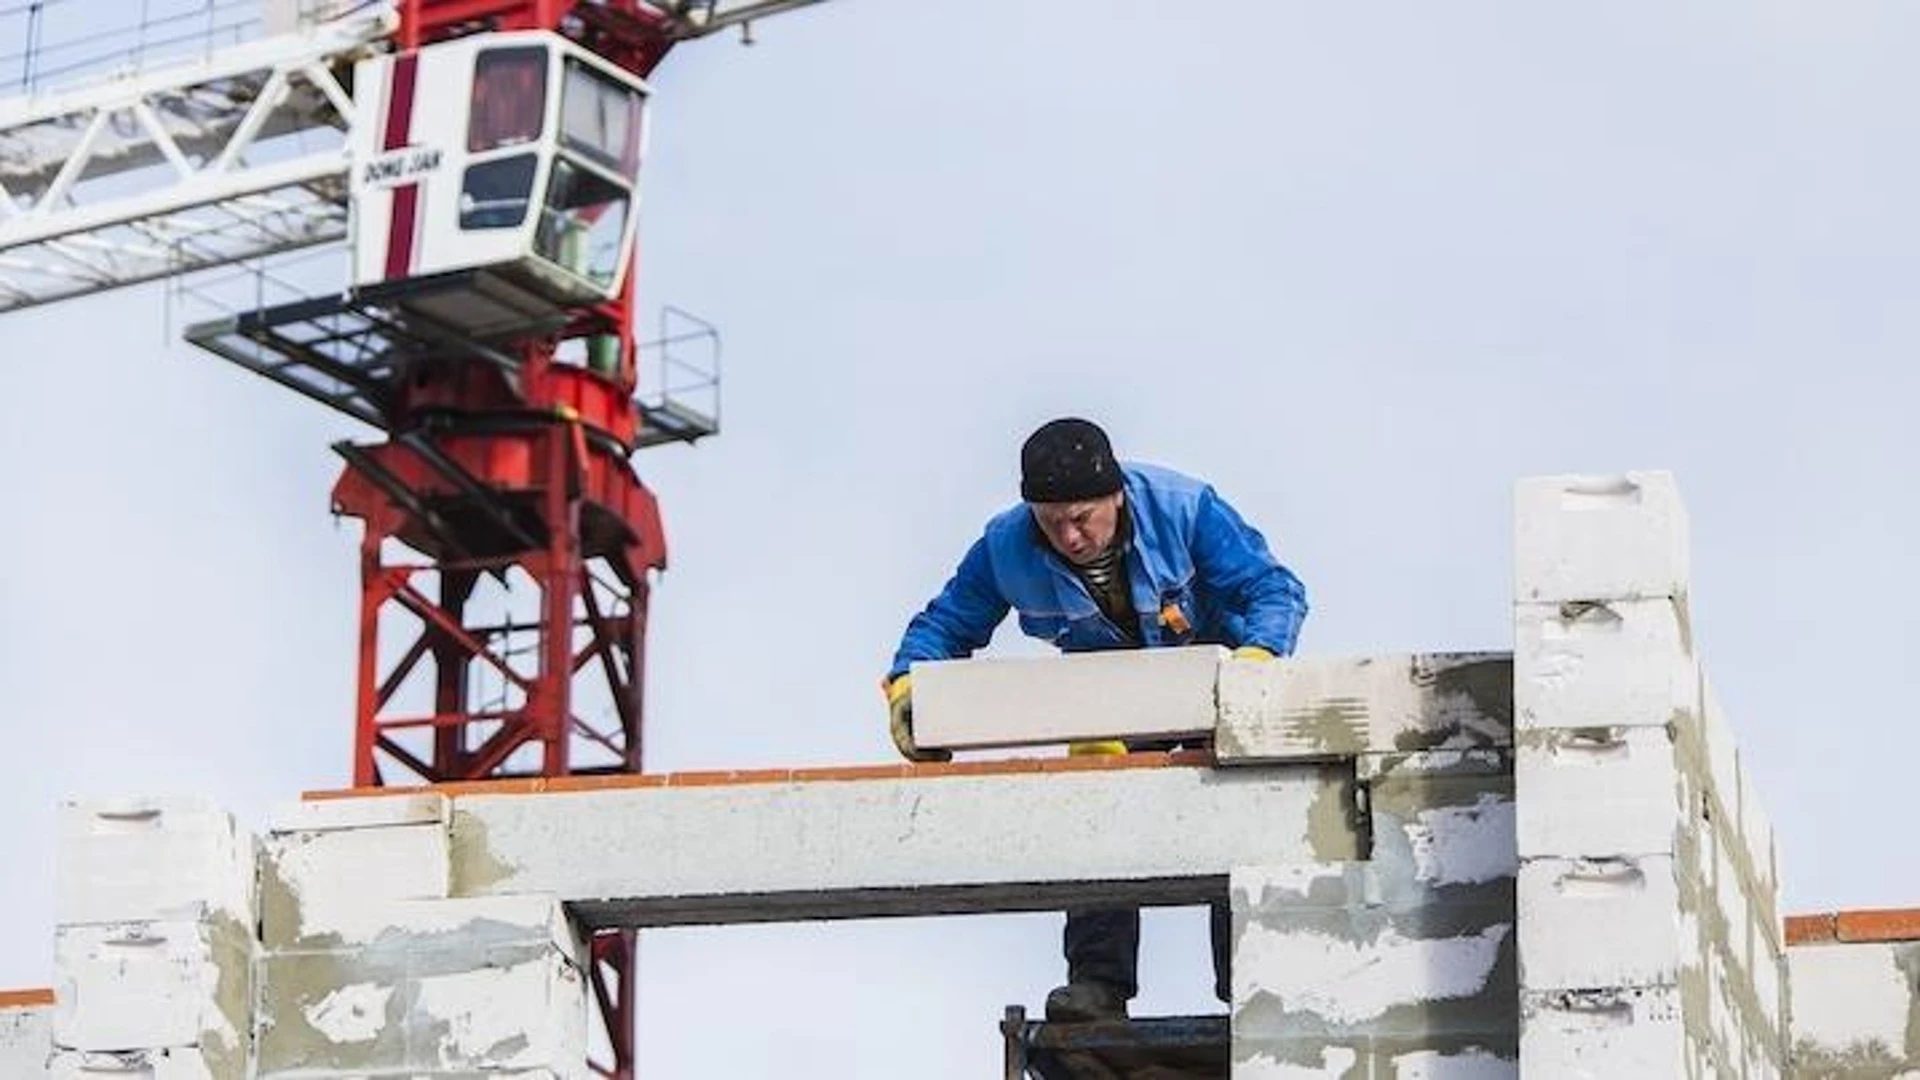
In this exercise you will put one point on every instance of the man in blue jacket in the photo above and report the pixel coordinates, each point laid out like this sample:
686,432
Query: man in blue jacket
1105,555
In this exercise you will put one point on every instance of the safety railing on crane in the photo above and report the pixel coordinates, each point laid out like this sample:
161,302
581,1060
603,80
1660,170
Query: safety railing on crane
64,42
250,286
679,374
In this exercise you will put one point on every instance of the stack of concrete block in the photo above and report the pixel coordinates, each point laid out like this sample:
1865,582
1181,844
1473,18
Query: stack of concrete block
153,950
1402,963
1649,934
369,968
1856,994
26,1033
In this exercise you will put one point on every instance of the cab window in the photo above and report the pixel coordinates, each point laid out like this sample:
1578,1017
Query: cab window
509,97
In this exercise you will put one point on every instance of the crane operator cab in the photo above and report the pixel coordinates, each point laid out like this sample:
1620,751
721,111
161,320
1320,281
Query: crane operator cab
499,172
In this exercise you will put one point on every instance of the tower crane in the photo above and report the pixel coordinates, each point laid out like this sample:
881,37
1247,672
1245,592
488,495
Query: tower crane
480,159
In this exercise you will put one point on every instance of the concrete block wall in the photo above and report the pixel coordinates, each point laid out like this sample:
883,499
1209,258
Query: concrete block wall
1401,964
1856,995
369,965
1465,864
1649,930
153,951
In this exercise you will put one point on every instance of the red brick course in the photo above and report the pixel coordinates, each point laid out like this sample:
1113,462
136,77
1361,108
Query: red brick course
722,777
1857,927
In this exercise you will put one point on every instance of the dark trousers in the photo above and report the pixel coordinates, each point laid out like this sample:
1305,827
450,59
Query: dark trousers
1103,945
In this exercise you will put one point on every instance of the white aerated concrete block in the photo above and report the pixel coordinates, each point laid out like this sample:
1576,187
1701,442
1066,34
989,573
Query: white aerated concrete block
26,1041
1767,986
1466,1063
1723,759
1769,924
1336,950
1851,1003
167,1064
1730,896
1316,708
1442,820
1134,693
342,1015
448,986
1599,538
130,986
1609,1034
1599,791
313,879
519,919
1725,1028
1321,1058
363,812
152,860
1449,1056
1615,663
1593,923
1756,833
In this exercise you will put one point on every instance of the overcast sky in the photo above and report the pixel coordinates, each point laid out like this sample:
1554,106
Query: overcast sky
1360,265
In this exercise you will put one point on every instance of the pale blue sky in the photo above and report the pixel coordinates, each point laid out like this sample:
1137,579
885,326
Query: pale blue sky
1361,265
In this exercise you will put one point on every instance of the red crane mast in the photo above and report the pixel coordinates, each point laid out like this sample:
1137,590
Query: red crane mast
487,189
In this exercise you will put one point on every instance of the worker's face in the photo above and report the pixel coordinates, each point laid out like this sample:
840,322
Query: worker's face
1080,531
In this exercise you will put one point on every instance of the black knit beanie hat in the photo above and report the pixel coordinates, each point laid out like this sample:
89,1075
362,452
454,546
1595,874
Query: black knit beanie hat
1067,460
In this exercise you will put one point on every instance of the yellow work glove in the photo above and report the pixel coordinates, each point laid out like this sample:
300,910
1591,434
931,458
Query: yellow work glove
1107,746
1252,652
900,721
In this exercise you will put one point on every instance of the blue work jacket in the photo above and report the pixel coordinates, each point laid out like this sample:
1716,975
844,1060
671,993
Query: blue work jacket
1199,575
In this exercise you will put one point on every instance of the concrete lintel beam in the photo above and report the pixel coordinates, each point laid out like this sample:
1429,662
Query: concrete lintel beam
937,840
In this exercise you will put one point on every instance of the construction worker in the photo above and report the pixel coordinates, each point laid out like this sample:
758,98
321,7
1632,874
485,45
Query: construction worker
1105,555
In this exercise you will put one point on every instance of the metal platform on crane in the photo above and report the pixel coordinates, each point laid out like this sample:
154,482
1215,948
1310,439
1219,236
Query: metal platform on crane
1147,1048
347,350
684,358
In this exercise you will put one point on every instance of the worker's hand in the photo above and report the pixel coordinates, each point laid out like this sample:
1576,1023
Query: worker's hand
1252,652
900,722
1106,746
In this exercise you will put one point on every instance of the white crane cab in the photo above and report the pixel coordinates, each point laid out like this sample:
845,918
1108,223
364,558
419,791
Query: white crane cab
512,155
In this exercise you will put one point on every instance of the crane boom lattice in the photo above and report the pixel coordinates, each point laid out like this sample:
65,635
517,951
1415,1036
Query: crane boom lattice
216,160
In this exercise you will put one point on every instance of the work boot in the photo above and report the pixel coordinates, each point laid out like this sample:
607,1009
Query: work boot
1084,1002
